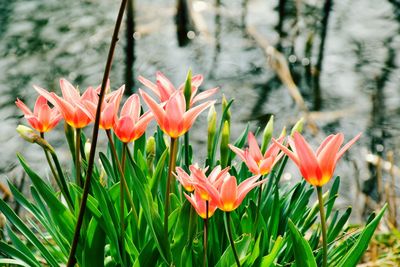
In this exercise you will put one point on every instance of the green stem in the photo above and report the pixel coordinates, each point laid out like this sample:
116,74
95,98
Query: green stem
230,236
205,236
77,156
121,173
62,183
187,161
122,203
53,171
59,178
172,163
323,226
258,204
114,40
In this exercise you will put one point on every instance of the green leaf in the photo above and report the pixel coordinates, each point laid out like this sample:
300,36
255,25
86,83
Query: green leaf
7,262
17,242
354,255
268,260
338,227
15,253
93,252
242,245
151,215
30,236
302,251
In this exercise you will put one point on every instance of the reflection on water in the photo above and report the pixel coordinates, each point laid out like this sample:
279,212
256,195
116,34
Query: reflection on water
41,41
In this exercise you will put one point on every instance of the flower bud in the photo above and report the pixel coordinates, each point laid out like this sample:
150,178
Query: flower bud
88,146
298,127
188,89
212,127
283,132
31,136
224,148
268,131
150,153
27,133
224,106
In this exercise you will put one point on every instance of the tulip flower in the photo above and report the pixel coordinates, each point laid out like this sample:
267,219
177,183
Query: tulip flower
130,125
228,196
72,104
317,168
200,205
43,118
201,182
174,120
185,179
254,159
164,89
109,108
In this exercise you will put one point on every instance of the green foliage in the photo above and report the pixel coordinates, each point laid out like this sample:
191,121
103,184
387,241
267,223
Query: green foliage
287,231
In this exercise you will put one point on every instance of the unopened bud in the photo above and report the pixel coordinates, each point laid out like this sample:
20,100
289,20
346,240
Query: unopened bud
224,149
27,133
224,107
283,132
31,136
268,131
212,127
188,89
298,127
150,153
88,146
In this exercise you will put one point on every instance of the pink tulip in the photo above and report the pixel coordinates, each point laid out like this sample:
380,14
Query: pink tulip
72,104
185,179
317,168
43,118
199,205
109,108
130,125
254,159
229,195
173,119
164,89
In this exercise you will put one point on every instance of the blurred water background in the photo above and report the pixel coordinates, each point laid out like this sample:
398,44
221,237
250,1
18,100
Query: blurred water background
357,89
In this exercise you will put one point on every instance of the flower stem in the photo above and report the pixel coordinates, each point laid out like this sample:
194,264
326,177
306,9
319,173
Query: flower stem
186,140
228,225
77,156
205,236
46,153
172,163
323,226
58,178
122,203
114,40
121,173
258,204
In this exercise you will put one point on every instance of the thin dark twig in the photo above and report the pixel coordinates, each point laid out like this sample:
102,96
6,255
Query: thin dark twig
114,40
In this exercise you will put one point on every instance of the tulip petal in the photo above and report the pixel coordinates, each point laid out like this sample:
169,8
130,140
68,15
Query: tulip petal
204,95
290,154
190,116
309,167
237,151
153,87
327,155
347,146
254,149
23,107
40,101
69,92
158,111
228,194
323,144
